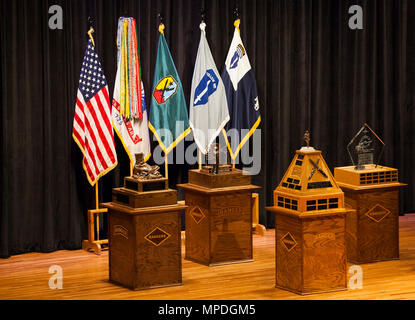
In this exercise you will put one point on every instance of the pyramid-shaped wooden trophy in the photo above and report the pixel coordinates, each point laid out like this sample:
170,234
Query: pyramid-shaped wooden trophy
219,214
144,230
372,231
309,226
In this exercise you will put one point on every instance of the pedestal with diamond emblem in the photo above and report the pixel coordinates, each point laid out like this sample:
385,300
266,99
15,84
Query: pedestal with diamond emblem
218,217
310,251
144,235
310,254
372,230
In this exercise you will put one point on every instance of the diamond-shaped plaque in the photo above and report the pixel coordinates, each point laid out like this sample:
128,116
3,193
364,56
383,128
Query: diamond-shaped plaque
197,214
288,241
377,213
157,236
365,148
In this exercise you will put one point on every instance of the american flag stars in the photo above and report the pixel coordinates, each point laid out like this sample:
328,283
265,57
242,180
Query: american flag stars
92,78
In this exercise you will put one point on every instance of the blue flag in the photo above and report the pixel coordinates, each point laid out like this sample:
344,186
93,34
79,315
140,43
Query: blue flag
242,96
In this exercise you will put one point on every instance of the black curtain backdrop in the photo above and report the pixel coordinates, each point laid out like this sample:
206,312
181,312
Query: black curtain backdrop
313,72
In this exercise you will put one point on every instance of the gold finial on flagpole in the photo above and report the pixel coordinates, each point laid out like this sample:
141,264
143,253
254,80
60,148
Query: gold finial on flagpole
90,32
161,28
236,23
161,25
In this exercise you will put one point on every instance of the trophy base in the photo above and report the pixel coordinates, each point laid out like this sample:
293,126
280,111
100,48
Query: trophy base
370,175
139,193
143,185
207,179
220,169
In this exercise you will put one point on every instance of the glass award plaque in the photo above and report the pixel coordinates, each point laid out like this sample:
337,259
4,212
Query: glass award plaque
366,148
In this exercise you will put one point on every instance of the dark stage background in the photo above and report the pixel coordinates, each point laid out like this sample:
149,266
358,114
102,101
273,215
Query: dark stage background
312,72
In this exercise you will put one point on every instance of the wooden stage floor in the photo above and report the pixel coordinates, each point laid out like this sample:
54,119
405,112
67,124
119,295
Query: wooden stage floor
85,276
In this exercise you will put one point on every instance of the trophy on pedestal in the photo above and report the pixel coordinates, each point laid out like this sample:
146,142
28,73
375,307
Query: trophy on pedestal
144,230
144,215
219,214
372,230
309,226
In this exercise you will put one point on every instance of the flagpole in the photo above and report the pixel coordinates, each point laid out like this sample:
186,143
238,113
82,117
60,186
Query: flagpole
236,23
90,32
166,166
97,206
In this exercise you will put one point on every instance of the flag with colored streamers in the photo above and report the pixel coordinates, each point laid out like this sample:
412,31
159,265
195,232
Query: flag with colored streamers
132,131
130,78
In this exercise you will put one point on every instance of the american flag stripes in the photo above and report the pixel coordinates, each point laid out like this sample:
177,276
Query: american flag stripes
92,129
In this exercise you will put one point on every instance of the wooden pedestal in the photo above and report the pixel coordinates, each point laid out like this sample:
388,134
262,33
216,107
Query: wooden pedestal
310,250
372,230
144,246
218,220
144,234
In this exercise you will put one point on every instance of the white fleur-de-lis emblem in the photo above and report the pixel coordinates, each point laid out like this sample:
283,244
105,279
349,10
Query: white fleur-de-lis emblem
256,106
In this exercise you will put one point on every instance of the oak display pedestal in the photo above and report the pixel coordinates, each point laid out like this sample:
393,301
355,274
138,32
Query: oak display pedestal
310,251
310,248
144,235
372,230
218,217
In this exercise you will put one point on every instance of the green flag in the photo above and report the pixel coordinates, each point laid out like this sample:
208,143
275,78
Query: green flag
169,120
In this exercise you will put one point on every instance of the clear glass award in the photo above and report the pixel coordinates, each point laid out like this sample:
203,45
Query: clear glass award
366,148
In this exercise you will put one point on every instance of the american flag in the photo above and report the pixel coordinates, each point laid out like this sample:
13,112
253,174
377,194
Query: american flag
92,129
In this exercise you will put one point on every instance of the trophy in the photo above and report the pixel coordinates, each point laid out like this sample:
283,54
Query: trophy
365,149
217,159
310,219
144,171
219,217
372,190
144,230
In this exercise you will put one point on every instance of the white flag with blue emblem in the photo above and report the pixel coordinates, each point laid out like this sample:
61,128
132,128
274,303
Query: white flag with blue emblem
208,105
241,91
